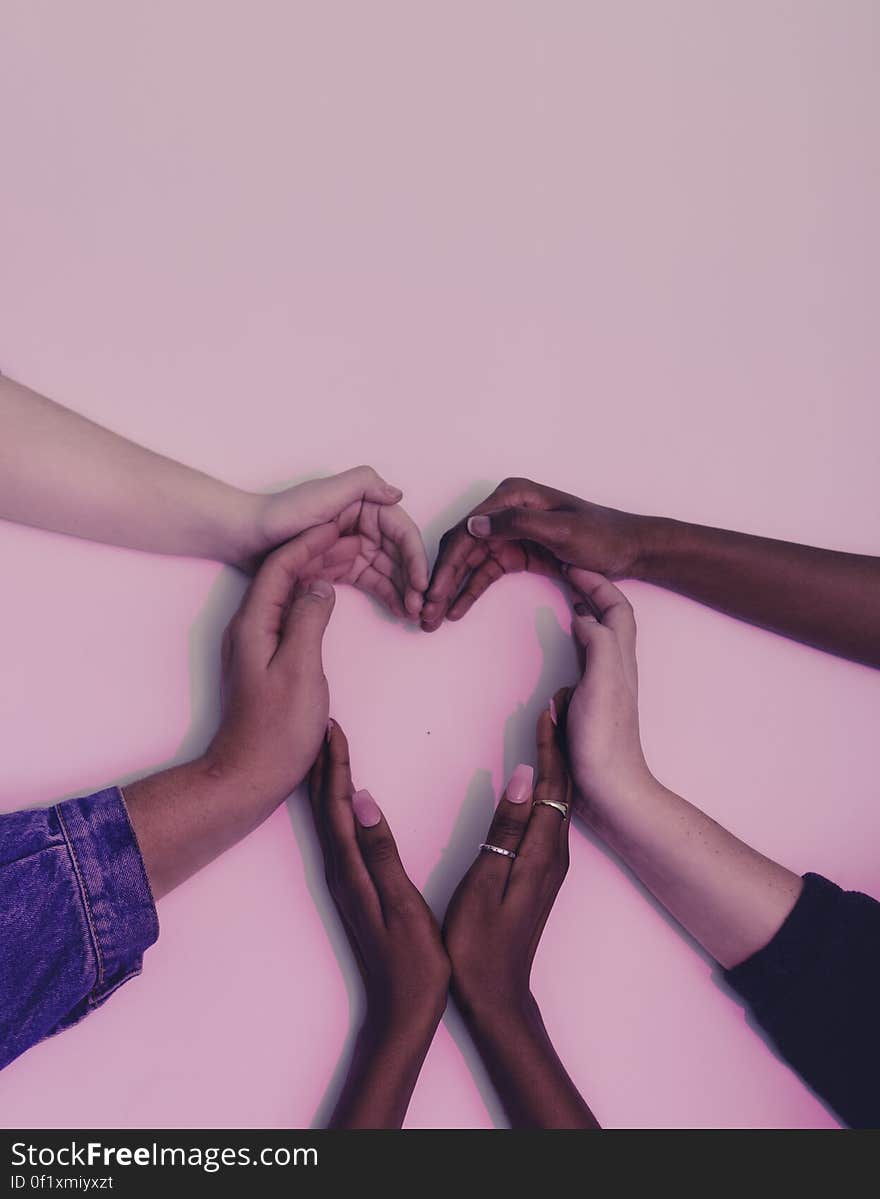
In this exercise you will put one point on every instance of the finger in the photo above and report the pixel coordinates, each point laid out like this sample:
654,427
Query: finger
261,617
379,852
614,611
336,817
506,830
456,542
397,525
480,581
303,632
382,561
550,529
332,495
455,546
316,783
338,558
381,588
545,842
558,709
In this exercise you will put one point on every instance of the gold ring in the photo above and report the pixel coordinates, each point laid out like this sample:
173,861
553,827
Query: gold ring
561,808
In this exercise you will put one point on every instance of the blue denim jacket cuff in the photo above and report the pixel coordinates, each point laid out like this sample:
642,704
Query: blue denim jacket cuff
116,895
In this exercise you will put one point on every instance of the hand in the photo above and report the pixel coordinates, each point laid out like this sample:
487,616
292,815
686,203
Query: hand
496,916
275,696
526,526
602,726
390,563
391,929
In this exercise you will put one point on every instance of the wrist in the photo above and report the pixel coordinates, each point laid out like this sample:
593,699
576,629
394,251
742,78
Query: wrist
491,1019
610,811
410,1031
484,1005
656,538
251,788
243,542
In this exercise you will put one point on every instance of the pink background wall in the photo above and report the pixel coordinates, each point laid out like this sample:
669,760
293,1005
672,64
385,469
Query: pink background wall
630,249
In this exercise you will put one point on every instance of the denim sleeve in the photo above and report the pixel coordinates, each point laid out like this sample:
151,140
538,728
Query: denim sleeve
76,914
815,990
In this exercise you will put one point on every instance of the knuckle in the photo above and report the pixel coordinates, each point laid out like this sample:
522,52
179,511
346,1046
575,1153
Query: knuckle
405,904
380,850
549,788
506,827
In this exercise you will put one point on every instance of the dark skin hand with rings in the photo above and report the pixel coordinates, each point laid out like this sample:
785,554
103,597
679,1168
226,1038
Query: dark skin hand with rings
485,951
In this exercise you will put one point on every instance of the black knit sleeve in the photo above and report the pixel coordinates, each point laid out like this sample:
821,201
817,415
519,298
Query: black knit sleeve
815,989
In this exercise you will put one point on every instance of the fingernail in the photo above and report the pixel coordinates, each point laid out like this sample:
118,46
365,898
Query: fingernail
329,733
479,526
321,588
553,713
519,788
366,809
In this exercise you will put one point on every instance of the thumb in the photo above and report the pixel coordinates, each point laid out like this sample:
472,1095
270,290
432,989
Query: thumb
590,637
307,618
549,529
333,495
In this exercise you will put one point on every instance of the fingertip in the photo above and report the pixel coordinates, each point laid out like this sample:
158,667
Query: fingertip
479,526
322,589
414,602
366,810
546,726
520,784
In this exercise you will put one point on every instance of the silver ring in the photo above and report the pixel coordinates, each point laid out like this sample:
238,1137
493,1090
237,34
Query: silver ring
561,808
505,853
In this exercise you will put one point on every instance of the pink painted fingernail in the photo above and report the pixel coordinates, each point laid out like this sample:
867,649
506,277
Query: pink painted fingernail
519,788
366,809
479,526
553,713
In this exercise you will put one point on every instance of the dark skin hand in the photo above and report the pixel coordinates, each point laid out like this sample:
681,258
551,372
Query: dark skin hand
394,938
824,598
492,929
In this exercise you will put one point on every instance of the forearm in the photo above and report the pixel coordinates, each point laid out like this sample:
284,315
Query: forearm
731,898
62,472
384,1070
525,1070
185,817
822,597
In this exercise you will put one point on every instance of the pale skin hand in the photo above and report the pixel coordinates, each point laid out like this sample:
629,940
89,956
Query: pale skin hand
394,938
62,472
275,710
731,898
822,597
